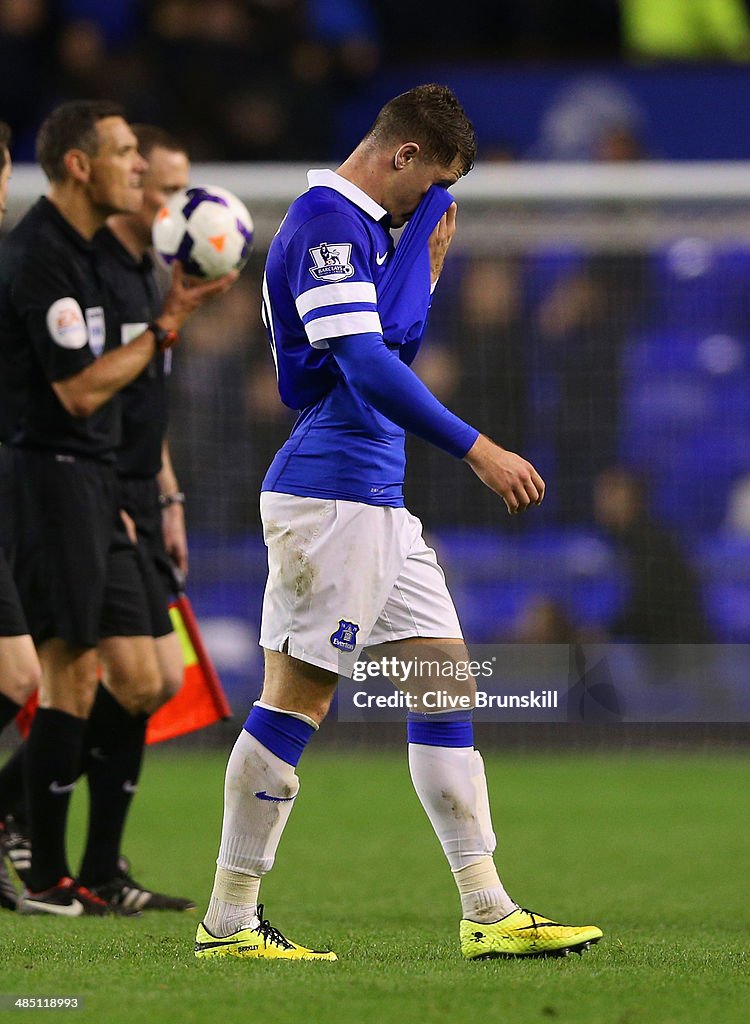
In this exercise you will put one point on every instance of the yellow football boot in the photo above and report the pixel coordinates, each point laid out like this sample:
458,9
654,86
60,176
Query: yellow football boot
524,933
264,942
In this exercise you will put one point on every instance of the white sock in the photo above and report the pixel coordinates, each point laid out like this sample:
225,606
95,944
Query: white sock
452,787
259,792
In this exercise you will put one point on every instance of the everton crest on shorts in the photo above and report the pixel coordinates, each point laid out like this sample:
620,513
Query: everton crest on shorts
345,637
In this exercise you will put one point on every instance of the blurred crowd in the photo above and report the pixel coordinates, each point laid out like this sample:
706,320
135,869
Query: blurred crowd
264,79
234,79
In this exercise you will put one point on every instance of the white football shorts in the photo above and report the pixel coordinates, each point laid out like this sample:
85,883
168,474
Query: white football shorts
343,575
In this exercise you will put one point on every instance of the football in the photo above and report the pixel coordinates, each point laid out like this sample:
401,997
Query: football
207,228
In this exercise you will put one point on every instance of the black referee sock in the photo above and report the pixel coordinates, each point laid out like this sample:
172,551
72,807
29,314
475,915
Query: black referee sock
12,794
53,757
8,710
113,756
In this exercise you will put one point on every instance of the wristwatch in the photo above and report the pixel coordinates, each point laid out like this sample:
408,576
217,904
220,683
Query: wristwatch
164,339
176,498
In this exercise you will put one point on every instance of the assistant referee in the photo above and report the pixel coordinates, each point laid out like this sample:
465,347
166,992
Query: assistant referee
149,495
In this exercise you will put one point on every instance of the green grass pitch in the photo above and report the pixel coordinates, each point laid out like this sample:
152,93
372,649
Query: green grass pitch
653,848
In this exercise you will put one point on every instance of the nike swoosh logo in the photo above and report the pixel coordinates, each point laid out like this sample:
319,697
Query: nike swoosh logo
212,945
380,260
129,787
262,795
73,909
55,787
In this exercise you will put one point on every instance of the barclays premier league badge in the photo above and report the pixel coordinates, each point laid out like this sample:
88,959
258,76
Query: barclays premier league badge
331,262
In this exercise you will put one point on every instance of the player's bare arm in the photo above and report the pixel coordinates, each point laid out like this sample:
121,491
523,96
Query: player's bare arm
84,392
507,474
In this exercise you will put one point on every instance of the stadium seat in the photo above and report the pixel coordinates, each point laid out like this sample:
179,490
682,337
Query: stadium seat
686,419
728,609
724,564
725,556
700,286
690,488
493,577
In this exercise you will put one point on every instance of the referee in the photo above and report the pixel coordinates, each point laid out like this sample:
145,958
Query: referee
153,504
78,576
19,665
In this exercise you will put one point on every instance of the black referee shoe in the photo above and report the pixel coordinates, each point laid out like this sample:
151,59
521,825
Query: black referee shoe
15,846
125,895
66,899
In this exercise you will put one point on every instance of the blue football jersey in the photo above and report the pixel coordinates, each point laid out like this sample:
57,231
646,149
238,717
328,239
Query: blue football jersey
324,268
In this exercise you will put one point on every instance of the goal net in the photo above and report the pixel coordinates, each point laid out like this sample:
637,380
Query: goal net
595,319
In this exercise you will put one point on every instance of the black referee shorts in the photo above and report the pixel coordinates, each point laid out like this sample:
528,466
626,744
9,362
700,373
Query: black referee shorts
140,499
12,619
7,498
76,571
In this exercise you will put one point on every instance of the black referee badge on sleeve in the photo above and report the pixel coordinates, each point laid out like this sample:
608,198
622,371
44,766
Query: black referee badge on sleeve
65,323
97,331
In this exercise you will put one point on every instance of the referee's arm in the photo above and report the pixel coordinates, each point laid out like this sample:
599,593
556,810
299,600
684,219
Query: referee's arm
86,391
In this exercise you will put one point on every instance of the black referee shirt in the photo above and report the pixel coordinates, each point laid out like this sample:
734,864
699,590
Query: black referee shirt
54,323
135,301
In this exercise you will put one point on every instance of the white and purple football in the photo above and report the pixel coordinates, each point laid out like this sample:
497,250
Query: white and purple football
207,228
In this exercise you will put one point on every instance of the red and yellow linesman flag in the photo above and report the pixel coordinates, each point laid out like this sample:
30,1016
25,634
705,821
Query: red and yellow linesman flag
199,702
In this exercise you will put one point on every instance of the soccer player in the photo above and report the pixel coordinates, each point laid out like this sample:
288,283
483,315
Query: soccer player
76,570
19,665
347,563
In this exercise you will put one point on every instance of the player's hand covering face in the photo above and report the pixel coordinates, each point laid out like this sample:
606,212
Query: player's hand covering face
440,239
412,180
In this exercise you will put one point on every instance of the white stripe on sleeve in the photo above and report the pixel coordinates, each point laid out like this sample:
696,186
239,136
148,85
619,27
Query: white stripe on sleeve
335,295
342,323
